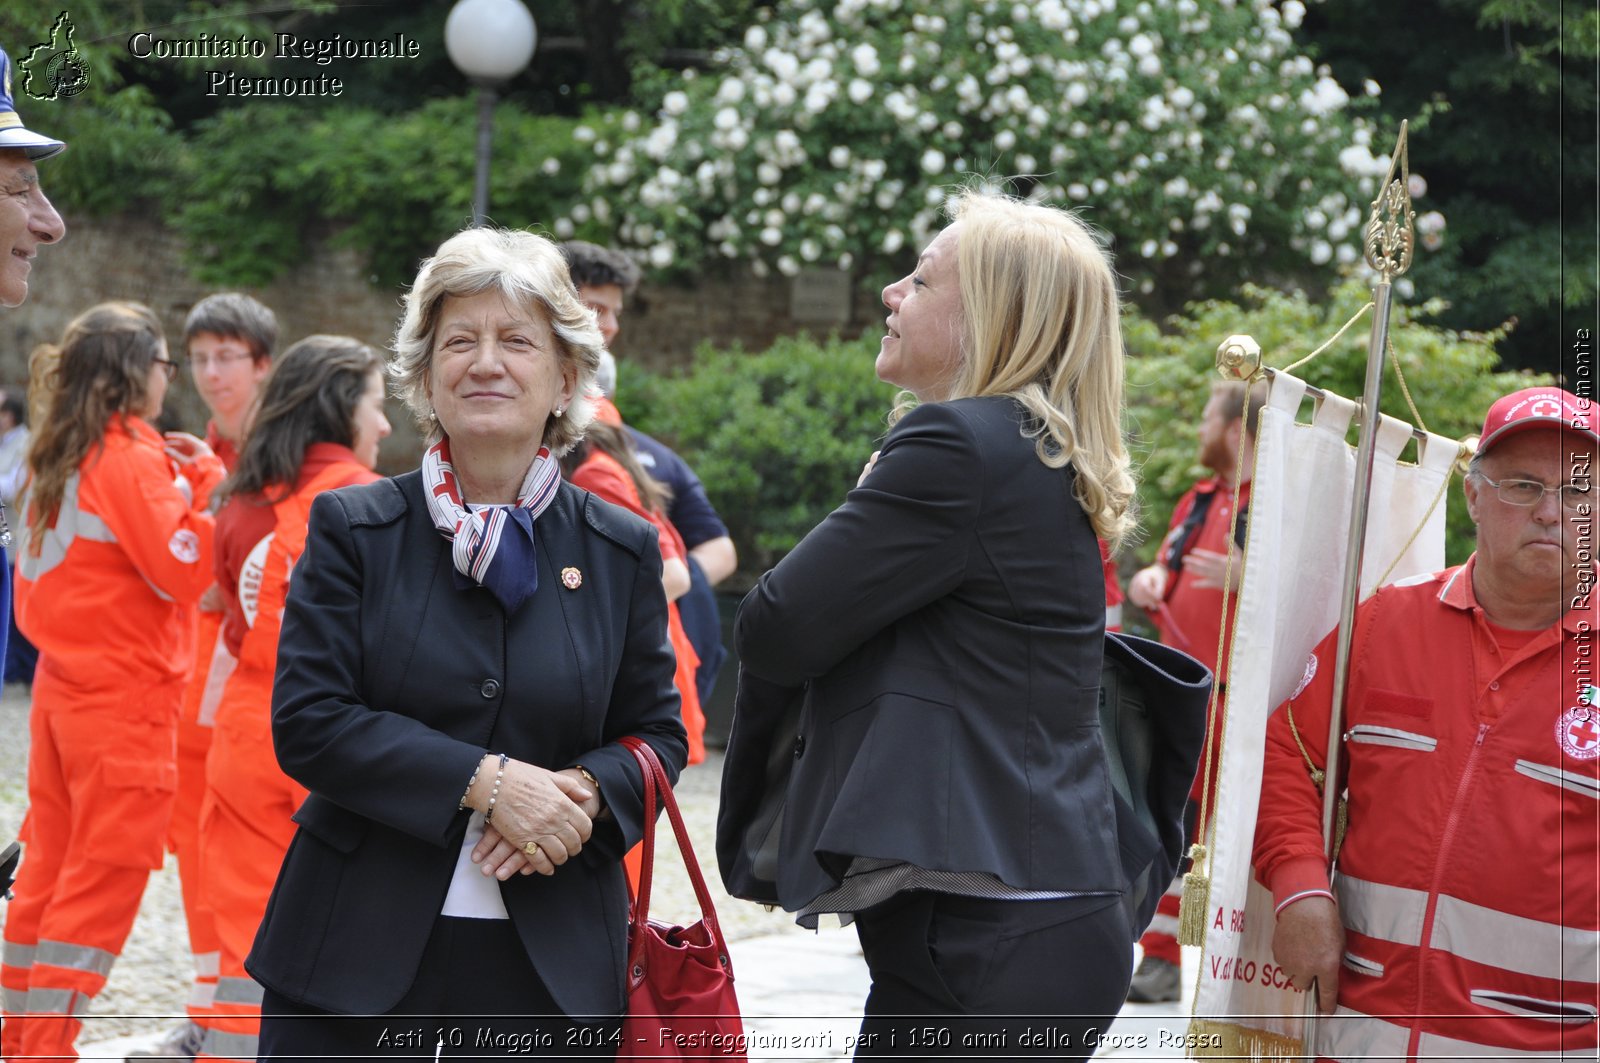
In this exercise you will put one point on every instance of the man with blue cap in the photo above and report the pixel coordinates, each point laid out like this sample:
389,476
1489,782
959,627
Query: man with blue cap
26,220
26,217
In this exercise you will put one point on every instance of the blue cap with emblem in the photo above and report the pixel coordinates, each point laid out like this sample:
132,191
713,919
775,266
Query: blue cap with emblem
13,134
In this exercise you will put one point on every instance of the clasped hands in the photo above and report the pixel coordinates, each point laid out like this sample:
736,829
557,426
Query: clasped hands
553,810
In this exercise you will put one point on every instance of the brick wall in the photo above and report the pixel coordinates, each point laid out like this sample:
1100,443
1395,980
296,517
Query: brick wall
135,258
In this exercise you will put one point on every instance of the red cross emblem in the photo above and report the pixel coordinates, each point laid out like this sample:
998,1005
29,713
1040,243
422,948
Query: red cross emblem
1545,408
1578,733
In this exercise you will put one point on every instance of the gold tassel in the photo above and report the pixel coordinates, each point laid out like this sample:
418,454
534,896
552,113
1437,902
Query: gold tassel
1196,899
1215,1039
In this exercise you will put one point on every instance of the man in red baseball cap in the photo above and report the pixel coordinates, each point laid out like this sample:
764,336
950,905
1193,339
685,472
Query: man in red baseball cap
1467,918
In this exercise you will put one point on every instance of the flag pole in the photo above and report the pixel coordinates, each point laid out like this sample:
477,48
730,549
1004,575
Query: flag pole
1388,243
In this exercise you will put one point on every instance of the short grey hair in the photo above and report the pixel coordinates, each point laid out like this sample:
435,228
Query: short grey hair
528,271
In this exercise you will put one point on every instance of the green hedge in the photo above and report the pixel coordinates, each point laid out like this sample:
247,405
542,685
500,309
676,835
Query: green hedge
1452,377
779,437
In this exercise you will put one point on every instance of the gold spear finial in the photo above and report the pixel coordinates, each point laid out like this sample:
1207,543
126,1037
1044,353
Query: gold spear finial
1391,223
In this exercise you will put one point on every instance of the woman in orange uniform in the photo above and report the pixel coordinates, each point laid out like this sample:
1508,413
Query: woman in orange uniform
117,550
318,428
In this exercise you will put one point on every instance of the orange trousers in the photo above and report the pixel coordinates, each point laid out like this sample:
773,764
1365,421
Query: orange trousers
245,829
101,779
212,665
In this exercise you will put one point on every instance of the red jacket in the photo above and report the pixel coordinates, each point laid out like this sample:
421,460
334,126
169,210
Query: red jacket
1469,879
1191,619
107,598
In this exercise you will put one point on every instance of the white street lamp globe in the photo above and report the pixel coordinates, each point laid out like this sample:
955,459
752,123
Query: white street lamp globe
490,40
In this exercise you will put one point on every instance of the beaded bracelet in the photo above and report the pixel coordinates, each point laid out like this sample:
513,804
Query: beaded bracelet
494,794
462,804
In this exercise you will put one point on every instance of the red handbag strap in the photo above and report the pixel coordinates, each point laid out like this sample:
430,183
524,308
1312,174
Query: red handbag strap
656,786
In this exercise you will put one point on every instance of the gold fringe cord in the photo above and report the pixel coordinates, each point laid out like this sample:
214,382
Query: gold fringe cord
1196,899
1211,1039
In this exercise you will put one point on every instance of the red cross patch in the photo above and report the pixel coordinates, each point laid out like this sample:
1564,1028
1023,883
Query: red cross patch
1578,733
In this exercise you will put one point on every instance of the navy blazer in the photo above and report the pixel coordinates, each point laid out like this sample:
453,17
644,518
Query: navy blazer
946,623
394,679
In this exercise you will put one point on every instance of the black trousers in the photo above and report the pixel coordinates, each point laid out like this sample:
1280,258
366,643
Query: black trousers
966,976
476,996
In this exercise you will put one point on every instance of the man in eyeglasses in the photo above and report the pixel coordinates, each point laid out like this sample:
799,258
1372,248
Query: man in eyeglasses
27,220
229,339
1465,918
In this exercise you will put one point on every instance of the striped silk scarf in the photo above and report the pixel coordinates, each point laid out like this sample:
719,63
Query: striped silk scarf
492,546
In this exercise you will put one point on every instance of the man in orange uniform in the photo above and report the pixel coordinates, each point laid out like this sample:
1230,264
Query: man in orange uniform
229,338
1467,919
1182,592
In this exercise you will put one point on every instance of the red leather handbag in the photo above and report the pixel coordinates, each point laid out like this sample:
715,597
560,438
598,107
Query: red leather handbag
681,1002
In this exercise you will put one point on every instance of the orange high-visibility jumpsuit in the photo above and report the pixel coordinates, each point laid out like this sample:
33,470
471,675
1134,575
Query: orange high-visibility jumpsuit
212,664
106,598
245,827
605,477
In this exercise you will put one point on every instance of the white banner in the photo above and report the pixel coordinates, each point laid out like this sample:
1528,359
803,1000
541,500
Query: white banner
1301,495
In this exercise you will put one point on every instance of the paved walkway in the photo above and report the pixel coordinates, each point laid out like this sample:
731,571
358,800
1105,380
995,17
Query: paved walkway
801,996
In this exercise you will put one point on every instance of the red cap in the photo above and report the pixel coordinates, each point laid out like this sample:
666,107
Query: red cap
1534,408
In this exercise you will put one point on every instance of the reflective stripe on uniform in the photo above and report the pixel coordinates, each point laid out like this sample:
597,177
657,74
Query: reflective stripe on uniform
217,672
71,523
1388,913
15,955
202,994
1515,943
238,991
207,964
225,1045
1567,780
1470,931
1351,1036
1433,1047
76,957
1114,615
56,1002
13,1001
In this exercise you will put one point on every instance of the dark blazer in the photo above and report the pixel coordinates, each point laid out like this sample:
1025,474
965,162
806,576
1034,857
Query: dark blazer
946,623
395,676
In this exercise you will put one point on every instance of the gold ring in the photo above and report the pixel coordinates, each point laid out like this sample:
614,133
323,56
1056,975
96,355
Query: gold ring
532,849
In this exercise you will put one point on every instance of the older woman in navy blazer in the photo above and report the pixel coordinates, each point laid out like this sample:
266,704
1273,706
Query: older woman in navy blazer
949,789
463,648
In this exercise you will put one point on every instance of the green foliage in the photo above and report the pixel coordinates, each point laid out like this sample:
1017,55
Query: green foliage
1197,133
778,438
1451,375
121,152
1508,150
259,179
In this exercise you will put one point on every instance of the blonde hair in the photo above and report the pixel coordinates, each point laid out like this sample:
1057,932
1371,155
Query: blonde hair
1040,321
528,271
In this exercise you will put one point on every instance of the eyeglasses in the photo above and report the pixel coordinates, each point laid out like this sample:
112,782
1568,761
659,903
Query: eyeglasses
1530,492
221,359
170,366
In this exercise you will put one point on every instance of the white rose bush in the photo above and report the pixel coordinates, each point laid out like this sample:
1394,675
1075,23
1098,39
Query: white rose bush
1193,131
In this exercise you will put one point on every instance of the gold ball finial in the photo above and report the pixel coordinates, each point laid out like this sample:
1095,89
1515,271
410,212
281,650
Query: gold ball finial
1239,357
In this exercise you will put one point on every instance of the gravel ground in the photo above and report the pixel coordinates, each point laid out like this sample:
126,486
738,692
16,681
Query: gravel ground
150,981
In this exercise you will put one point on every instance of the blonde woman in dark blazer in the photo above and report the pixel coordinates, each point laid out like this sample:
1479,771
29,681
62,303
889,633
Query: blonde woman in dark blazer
949,789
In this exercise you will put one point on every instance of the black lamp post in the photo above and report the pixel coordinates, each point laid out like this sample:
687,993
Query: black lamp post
491,42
